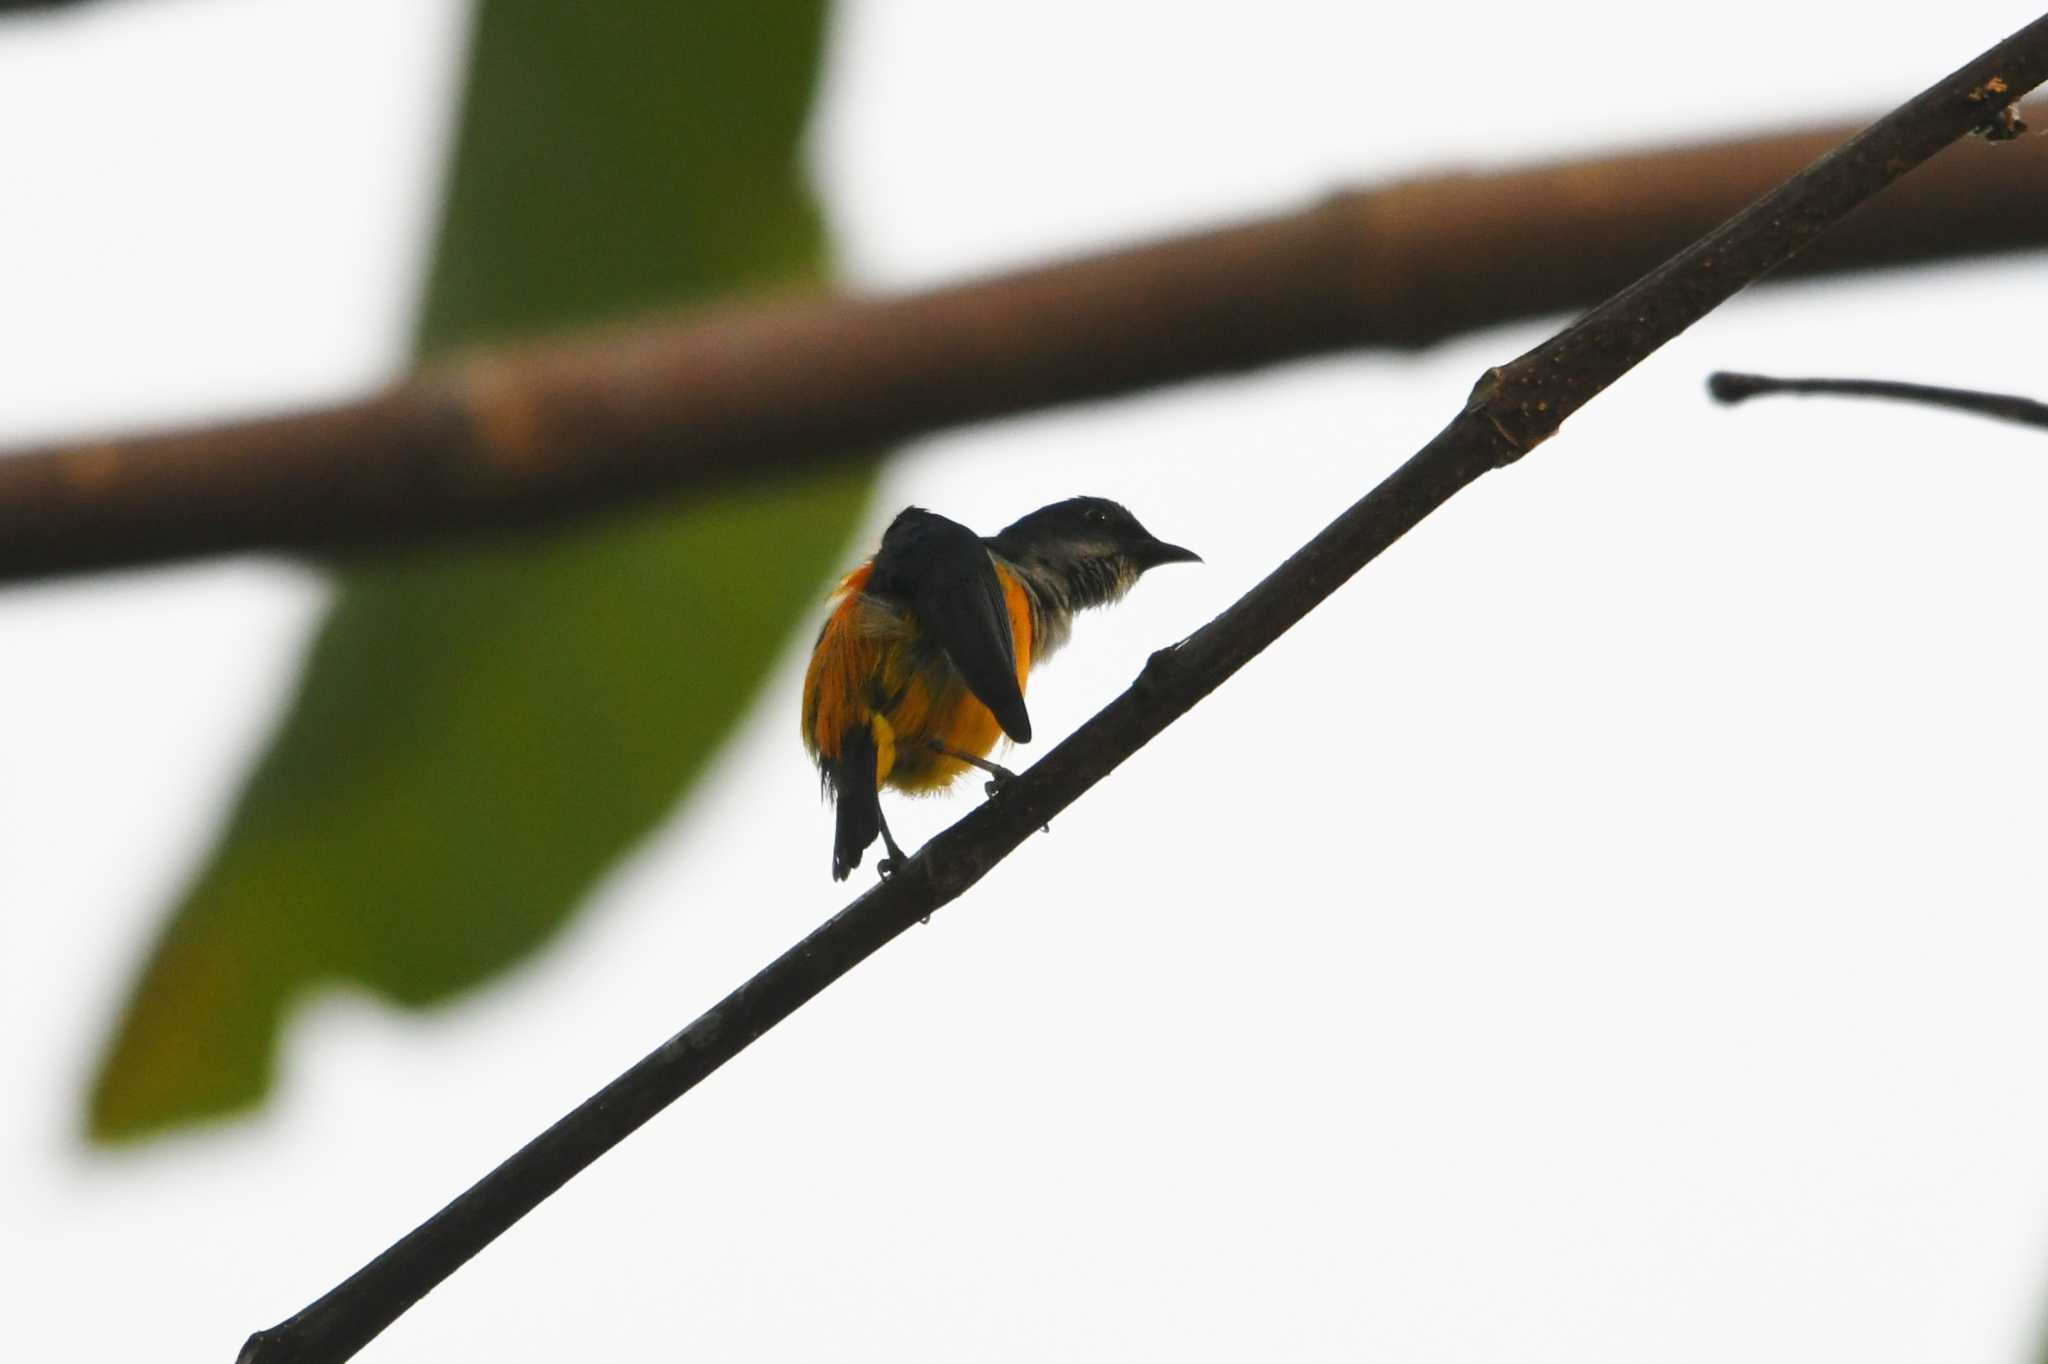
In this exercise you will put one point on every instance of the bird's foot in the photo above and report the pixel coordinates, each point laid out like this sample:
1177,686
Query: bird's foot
892,862
998,777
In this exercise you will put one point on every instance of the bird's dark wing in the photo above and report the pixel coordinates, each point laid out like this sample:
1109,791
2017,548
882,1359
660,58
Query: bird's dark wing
943,570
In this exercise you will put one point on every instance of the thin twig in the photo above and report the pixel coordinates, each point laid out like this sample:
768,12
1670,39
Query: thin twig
1730,387
1512,409
515,437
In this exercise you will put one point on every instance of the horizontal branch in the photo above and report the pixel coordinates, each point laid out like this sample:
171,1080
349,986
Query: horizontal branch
538,433
1512,409
1729,387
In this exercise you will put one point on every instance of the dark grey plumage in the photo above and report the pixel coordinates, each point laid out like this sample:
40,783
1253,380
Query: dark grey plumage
1073,555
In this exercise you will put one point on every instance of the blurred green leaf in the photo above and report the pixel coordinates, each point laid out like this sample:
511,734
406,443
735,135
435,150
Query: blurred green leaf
480,734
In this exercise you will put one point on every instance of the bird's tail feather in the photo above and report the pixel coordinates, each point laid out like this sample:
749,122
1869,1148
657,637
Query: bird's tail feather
859,804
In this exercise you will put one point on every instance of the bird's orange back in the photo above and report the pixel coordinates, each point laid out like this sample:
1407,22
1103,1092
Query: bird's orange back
870,670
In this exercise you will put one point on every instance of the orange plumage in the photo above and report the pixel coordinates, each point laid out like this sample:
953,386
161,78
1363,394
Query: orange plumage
866,668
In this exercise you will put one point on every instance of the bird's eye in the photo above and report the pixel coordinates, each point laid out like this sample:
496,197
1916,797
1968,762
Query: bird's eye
1097,514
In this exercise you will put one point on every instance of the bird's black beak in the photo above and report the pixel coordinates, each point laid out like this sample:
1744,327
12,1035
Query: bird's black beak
1150,553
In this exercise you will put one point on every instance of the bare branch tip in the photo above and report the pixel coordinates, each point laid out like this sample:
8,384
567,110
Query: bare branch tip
1727,386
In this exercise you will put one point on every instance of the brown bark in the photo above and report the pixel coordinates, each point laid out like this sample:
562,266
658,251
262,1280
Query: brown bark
541,432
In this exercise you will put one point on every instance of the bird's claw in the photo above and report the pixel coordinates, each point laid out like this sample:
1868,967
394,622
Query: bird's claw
1001,777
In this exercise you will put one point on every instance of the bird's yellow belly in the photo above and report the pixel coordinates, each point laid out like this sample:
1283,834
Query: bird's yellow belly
908,762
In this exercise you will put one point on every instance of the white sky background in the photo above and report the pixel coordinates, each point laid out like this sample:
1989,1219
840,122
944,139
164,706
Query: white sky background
1609,930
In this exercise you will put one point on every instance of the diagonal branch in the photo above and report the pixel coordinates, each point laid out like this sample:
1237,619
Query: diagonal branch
1730,387
1512,409
535,434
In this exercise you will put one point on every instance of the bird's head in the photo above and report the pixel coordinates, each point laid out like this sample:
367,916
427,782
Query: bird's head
1093,547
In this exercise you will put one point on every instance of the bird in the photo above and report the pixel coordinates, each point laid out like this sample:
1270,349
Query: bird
920,667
